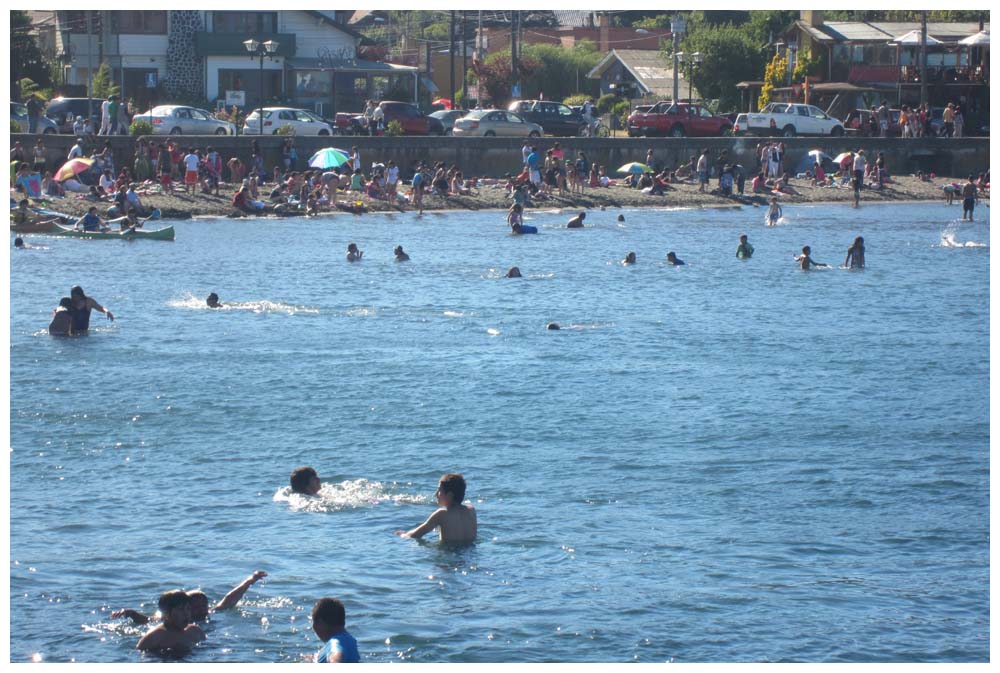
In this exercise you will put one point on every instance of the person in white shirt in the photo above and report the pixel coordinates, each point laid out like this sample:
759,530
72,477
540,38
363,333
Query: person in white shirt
76,150
355,157
191,161
78,125
391,179
105,117
859,174
107,182
378,117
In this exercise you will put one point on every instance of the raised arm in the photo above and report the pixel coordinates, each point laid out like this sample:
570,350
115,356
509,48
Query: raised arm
424,528
136,616
233,597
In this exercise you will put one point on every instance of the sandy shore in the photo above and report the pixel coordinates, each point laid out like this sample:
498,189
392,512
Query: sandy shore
181,206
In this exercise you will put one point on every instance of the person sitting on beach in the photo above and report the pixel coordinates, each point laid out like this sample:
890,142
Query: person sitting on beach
805,260
304,480
513,272
672,258
773,212
744,250
759,184
353,254
62,318
456,522
576,222
200,608
176,632
328,621
400,255
856,254
629,259
213,301
243,202
782,185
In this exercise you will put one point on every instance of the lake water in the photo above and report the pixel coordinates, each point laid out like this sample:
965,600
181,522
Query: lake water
727,461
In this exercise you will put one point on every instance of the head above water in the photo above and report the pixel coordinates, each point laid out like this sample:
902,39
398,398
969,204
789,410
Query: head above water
175,606
328,617
552,325
513,272
199,605
76,292
671,256
630,258
451,487
19,243
305,480
806,250
743,238
621,218
212,300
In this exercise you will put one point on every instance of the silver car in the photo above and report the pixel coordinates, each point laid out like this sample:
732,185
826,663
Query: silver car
495,123
448,118
175,120
19,113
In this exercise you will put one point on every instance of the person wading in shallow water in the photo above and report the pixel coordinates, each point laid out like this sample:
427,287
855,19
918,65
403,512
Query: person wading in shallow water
82,306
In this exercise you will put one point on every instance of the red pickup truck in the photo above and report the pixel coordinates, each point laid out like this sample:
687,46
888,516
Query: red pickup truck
414,122
677,120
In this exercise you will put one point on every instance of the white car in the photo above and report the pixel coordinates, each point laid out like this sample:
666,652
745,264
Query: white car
175,120
792,119
303,122
495,123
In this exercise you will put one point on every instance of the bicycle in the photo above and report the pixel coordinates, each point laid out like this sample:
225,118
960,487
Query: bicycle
596,129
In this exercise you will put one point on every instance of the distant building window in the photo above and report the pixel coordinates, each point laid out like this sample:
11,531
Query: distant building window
245,23
139,23
76,21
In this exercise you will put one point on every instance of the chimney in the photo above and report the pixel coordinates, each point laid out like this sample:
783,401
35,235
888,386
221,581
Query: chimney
604,40
813,18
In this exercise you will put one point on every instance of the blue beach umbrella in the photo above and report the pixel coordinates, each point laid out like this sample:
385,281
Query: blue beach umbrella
635,167
329,157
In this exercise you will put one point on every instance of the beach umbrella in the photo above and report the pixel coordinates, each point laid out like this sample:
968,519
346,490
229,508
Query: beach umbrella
446,102
912,39
840,157
73,167
980,39
635,167
329,157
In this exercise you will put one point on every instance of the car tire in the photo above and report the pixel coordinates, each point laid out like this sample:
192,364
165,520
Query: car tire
48,131
534,134
677,131
221,132
837,131
175,131
489,134
324,132
788,131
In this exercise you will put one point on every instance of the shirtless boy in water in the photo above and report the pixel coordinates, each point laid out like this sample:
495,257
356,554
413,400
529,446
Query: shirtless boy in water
456,522
805,260
176,633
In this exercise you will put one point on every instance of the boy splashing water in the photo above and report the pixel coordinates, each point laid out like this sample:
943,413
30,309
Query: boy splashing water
456,522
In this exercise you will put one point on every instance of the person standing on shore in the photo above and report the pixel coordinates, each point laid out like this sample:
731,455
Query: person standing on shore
948,119
703,170
859,175
191,163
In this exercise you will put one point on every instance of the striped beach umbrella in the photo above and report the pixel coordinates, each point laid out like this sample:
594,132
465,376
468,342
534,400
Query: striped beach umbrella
329,157
73,167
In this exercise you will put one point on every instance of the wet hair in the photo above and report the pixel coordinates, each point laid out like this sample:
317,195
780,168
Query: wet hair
552,325
300,479
170,600
330,611
212,299
198,596
66,302
806,249
621,218
453,483
859,241
77,292
19,243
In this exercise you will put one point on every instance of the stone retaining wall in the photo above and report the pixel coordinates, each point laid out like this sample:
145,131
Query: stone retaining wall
496,156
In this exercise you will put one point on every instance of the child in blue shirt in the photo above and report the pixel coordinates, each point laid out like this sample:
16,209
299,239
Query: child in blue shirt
339,646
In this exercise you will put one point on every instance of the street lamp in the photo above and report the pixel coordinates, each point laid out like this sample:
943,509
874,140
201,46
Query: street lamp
677,28
260,50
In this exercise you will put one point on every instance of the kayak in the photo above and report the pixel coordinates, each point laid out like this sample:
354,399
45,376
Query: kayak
164,234
32,228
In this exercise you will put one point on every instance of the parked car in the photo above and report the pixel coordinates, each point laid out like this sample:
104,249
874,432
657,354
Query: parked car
177,120
303,122
792,119
409,116
448,118
64,111
740,125
677,120
859,122
555,118
496,123
19,113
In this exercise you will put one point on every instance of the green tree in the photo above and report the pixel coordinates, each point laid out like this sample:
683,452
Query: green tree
562,71
730,55
26,58
101,85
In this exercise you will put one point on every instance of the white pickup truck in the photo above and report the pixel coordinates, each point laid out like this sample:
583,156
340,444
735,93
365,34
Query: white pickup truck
792,119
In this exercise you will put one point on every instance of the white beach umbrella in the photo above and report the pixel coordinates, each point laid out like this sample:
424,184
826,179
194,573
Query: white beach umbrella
913,39
980,39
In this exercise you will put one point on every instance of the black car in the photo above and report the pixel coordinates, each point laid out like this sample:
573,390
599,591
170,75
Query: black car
64,111
557,119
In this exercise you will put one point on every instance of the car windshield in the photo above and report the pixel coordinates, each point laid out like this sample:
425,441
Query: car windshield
162,110
478,114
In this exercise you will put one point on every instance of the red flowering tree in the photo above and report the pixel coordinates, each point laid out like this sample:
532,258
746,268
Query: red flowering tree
494,76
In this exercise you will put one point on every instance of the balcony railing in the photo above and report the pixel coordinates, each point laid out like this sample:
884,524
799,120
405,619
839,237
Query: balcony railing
231,44
910,74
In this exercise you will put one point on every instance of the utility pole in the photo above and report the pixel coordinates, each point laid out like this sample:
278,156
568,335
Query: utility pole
479,37
513,49
465,60
90,66
451,59
923,57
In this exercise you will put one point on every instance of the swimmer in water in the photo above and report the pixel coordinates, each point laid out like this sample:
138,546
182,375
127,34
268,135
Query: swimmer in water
576,222
515,216
329,621
304,480
513,272
176,633
353,254
199,602
856,254
19,243
213,301
672,258
621,218
805,260
773,212
400,255
552,325
744,250
456,522
62,318
629,259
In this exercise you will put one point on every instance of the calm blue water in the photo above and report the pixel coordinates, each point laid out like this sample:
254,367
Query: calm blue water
729,461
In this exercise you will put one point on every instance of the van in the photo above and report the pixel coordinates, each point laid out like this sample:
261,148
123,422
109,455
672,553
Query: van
64,111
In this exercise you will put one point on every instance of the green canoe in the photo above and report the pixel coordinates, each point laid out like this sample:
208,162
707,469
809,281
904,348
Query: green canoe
164,234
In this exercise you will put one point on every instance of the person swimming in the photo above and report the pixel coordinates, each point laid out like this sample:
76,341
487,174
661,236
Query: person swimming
19,243
576,222
353,254
629,258
806,261
621,218
213,301
400,255
552,325
513,272
672,258
856,254
773,212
